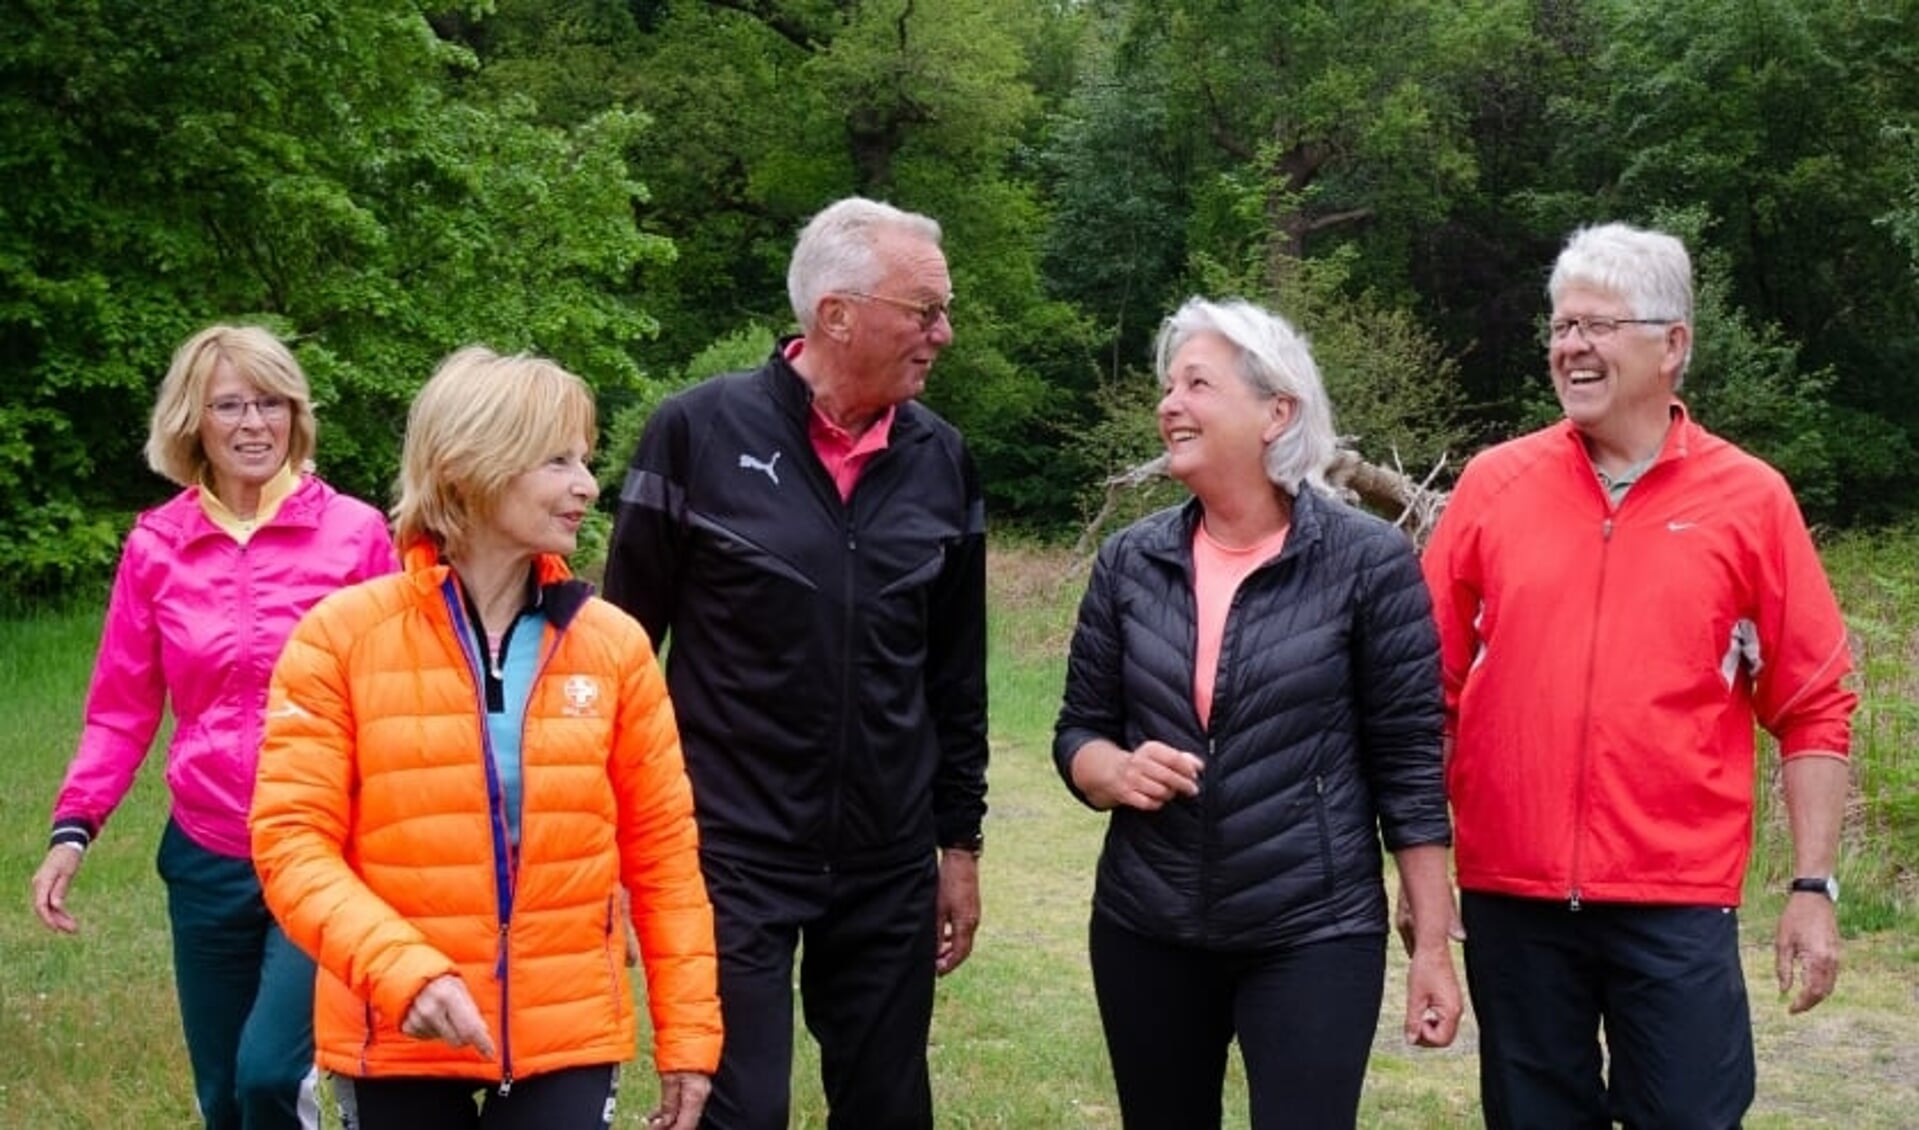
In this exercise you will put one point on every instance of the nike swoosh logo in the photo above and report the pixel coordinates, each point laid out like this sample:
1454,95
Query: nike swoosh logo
1680,527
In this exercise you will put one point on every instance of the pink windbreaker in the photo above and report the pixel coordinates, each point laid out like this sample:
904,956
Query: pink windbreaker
199,619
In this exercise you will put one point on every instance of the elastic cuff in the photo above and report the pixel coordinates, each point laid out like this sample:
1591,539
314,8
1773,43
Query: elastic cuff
71,832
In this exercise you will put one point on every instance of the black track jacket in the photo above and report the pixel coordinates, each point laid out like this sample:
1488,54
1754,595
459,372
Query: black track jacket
827,660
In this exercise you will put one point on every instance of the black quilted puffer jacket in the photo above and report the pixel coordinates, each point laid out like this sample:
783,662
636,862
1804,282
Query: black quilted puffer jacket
1325,735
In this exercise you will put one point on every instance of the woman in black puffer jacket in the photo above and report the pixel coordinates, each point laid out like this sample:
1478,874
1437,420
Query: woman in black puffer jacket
1254,693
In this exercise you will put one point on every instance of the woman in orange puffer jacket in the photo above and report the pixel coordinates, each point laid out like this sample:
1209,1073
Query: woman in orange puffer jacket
464,766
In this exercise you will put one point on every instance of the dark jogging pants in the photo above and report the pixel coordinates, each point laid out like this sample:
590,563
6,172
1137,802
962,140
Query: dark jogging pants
246,993
1304,1018
867,942
1664,985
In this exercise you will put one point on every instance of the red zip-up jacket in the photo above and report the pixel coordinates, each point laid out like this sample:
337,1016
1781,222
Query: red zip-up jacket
1604,668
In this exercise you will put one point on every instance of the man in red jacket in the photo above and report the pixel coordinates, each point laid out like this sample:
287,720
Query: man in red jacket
1619,597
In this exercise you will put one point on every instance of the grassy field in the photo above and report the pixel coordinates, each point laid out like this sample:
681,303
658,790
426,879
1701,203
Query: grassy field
89,1032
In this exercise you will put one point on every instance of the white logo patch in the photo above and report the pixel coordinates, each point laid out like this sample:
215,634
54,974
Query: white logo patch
765,466
581,693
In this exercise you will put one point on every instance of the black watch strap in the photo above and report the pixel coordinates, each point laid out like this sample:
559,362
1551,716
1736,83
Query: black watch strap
1817,885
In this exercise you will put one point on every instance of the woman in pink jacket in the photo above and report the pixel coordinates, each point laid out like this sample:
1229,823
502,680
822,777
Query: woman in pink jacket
210,584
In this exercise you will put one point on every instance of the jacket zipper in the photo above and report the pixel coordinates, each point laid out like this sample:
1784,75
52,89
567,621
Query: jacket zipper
1582,781
505,857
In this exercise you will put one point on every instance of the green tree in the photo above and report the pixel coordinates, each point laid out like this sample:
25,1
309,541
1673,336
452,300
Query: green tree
298,164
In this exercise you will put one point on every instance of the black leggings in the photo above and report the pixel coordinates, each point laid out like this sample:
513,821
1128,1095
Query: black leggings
575,1098
1304,1018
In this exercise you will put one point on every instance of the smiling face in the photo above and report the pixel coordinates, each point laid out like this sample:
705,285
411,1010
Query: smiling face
1615,388
244,455
889,348
1215,426
541,509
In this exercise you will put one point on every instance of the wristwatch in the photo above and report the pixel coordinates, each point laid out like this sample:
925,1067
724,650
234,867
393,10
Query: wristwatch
1822,885
974,844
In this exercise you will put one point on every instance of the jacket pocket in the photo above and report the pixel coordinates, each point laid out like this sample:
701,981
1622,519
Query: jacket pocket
1323,821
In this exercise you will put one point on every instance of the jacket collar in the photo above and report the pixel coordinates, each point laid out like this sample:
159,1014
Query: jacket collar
1169,534
182,519
562,595
795,397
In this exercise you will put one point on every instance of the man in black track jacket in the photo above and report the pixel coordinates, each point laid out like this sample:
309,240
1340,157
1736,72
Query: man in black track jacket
810,542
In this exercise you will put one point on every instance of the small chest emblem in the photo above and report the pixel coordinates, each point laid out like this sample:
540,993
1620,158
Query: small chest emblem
767,466
581,693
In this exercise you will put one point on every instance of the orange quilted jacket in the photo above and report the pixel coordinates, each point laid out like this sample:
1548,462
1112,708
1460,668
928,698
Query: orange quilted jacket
382,856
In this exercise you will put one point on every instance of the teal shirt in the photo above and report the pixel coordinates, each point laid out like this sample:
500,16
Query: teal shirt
518,662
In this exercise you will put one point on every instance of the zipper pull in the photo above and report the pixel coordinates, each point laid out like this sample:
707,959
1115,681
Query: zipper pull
1575,900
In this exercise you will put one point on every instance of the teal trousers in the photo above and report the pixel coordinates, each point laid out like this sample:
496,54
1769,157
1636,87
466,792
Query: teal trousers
246,993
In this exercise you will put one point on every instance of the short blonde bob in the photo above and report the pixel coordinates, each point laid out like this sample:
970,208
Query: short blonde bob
481,421
173,439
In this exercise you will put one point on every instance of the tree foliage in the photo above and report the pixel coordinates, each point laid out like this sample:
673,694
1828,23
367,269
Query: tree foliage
618,182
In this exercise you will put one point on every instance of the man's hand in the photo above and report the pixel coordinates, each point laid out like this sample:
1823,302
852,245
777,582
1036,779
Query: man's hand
682,1098
445,1011
958,908
50,885
1808,944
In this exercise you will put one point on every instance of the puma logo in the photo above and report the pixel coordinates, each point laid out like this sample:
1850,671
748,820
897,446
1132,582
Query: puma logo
749,463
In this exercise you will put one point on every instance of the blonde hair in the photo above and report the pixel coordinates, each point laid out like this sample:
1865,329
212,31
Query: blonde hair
481,421
173,438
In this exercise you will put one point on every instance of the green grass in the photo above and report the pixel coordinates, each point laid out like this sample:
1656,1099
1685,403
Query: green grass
89,1032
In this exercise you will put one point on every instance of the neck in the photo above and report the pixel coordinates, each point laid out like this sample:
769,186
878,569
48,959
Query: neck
831,392
1615,449
1246,519
242,499
497,584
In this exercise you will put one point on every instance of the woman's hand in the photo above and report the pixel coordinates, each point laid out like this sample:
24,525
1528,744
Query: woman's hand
50,885
1433,1001
682,1098
445,1011
1146,779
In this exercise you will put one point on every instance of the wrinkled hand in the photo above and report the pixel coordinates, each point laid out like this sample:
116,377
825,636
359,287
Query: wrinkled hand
1433,1000
682,1098
1154,774
445,1011
959,909
1808,944
1403,921
50,885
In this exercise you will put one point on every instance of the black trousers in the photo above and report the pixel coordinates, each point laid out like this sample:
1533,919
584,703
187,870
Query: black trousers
1663,984
866,942
574,1098
1304,1018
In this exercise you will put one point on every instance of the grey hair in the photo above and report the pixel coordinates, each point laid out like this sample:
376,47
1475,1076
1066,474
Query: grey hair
1649,270
1273,360
835,251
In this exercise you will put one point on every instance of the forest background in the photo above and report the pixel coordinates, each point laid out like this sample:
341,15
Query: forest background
617,185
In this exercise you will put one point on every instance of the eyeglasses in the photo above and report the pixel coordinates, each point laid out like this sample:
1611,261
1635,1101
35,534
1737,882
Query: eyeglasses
233,409
929,312
1596,328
